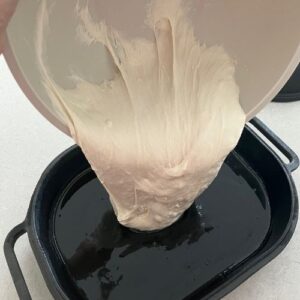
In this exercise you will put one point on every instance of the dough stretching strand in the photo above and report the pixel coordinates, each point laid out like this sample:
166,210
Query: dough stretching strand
156,134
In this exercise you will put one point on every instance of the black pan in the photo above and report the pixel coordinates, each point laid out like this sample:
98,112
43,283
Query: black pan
243,220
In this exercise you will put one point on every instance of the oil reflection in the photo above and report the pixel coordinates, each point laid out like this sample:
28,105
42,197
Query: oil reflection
95,251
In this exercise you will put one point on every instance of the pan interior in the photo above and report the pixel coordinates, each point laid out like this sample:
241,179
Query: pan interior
105,260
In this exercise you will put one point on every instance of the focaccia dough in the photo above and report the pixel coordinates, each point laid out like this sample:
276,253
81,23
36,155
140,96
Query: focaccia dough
157,133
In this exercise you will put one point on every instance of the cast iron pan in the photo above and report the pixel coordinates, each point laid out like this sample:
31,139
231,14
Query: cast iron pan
291,91
243,220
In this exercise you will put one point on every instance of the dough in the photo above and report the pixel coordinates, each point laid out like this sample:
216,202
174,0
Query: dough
157,133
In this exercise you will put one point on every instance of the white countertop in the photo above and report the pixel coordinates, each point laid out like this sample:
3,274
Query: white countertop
29,143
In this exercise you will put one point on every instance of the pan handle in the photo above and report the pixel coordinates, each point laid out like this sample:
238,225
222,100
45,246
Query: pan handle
276,141
13,263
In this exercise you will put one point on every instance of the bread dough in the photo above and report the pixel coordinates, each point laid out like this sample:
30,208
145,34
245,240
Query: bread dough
156,134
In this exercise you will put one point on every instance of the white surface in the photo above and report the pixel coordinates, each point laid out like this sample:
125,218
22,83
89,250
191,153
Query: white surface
28,144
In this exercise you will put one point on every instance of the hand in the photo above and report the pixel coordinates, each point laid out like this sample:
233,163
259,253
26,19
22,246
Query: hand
7,8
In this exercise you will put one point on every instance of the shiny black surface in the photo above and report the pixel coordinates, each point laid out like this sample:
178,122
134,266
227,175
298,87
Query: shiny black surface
227,224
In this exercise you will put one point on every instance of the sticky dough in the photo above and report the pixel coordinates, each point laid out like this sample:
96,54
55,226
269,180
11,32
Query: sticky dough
157,133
